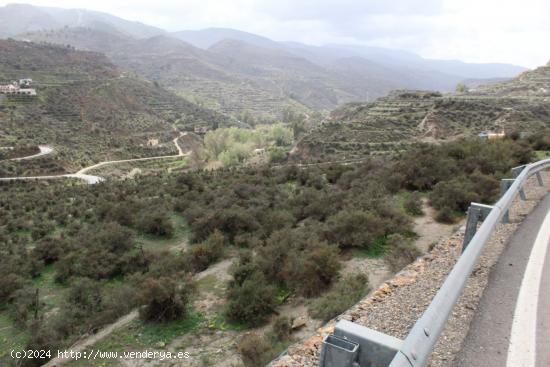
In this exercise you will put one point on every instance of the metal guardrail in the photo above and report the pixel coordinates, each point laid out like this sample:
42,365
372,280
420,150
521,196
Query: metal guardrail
382,350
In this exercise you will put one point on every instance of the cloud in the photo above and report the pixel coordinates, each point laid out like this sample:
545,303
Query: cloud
471,30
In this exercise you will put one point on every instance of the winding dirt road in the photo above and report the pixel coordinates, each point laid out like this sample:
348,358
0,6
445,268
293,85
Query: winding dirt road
175,141
82,174
44,150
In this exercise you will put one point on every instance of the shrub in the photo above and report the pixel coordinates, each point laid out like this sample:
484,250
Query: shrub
49,249
85,295
26,303
282,328
41,337
252,301
163,299
342,296
9,284
156,223
277,155
456,194
255,350
413,204
203,255
231,222
400,252
353,228
445,215
310,271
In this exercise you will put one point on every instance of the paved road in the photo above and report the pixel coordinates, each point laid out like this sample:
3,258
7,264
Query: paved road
511,327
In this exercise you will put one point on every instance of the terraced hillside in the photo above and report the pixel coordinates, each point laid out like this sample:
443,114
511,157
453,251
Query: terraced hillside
236,77
224,78
535,83
359,129
87,109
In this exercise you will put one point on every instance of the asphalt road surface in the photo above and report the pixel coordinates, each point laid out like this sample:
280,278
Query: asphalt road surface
511,327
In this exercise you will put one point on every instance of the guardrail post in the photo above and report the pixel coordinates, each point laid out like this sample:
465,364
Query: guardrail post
476,212
374,349
505,184
539,179
516,171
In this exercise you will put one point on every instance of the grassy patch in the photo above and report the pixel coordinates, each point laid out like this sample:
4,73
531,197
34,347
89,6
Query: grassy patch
211,284
282,294
220,322
11,337
51,293
181,234
541,154
342,296
139,335
376,249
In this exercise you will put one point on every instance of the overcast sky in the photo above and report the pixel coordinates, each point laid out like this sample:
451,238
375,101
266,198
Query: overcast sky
511,31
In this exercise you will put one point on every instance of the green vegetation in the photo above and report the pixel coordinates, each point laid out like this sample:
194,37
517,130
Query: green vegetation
343,295
390,124
259,349
401,252
96,252
232,146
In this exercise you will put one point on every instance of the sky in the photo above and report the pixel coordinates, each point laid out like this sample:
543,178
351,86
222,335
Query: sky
510,31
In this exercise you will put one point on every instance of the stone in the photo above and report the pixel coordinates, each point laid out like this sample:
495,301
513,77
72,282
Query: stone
299,322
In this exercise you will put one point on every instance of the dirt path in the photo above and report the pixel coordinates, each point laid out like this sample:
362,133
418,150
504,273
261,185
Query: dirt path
44,150
101,164
219,270
81,345
429,230
82,174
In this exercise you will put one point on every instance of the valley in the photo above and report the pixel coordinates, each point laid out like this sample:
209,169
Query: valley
219,193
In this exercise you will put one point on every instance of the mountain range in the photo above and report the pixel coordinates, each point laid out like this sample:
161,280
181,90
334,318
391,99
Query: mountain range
236,72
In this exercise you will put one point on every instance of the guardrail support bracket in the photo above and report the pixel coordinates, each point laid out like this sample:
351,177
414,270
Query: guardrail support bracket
476,212
375,349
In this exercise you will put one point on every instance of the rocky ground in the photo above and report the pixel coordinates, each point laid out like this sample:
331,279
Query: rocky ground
398,303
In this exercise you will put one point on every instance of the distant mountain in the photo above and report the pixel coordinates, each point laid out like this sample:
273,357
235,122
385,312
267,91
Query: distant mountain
236,72
205,38
328,54
21,18
412,61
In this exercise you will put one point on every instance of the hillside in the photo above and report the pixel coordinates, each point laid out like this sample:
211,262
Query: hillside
233,76
534,83
239,73
208,78
359,129
21,18
87,108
